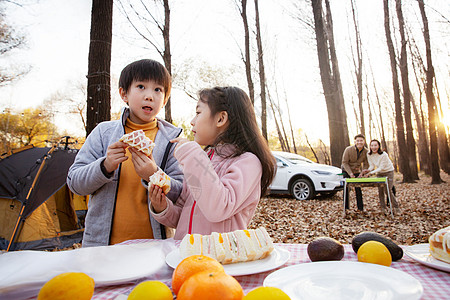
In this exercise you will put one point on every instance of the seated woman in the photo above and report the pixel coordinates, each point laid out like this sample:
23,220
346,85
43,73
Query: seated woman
381,166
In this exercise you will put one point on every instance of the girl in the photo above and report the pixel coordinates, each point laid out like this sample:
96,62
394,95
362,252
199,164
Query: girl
381,165
223,183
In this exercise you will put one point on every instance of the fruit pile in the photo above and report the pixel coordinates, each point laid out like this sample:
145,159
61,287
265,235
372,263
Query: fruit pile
200,277
370,247
196,277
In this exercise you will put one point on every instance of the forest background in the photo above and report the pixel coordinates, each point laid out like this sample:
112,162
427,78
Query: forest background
319,72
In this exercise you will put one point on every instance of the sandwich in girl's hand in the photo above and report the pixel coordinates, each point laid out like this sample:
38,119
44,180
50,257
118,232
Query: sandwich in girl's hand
230,247
160,179
138,140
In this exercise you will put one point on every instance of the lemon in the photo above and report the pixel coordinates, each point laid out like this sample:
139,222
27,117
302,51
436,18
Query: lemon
266,293
374,252
152,289
70,285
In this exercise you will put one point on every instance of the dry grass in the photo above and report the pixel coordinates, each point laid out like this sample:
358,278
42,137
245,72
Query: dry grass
425,208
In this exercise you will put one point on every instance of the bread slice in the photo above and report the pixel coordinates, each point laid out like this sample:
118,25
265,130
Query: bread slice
265,241
191,244
258,249
229,255
208,247
217,243
246,244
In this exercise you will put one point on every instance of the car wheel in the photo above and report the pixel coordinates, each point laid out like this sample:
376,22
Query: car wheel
302,189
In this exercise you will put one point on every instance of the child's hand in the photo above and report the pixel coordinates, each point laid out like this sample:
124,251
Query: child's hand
180,141
115,155
143,165
157,198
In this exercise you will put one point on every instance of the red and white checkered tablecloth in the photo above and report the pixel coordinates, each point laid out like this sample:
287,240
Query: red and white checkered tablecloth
436,284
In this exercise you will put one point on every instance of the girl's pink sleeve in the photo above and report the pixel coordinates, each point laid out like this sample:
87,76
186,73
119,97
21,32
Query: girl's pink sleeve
171,215
220,198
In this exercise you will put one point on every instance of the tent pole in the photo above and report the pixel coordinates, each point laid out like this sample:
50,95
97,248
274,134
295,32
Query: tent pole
19,219
15,228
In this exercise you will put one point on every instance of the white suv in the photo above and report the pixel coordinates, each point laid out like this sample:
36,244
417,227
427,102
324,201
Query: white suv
303,178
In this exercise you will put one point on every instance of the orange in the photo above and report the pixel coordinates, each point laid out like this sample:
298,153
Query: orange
207,285
70,285
266,293
191,265
374,252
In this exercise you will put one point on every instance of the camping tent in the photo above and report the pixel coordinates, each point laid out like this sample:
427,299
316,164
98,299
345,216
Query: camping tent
37,210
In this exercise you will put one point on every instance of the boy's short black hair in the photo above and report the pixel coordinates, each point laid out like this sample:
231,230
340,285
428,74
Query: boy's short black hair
360,136
146,69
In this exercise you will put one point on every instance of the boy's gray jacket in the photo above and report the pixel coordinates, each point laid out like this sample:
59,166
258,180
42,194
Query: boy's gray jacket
86,178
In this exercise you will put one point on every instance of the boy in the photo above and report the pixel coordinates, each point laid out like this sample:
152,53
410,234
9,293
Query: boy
352,158
115,178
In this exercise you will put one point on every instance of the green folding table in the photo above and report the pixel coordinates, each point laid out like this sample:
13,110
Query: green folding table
368,182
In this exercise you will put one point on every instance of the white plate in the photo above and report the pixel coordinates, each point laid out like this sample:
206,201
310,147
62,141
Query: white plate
23,273
421,254
277,258
344,280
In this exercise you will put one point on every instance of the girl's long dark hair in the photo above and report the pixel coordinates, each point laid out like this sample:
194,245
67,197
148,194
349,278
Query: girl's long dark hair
379,147
242,131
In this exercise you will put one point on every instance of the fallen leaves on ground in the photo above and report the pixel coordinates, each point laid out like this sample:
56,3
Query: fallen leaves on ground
425,208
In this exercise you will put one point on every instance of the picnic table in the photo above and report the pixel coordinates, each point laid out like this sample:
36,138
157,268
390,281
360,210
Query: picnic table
367,182
435,283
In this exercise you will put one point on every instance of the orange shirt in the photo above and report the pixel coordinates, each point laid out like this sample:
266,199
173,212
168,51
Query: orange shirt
131,216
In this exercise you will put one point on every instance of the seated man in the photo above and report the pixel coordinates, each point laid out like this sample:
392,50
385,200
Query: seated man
352,159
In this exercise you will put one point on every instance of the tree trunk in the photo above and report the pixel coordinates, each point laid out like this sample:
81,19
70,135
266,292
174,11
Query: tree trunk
403,159
247,62
290,125
432,116
312,149
336,73
358,71
422,144
280,135
337,124
99,79
410,142
394,146
324,150
167,56
384,145
444,153
283,129
262,74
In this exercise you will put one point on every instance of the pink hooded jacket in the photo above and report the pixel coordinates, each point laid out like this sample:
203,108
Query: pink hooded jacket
218,195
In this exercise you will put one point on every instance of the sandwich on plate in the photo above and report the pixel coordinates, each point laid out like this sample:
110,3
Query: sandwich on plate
229,247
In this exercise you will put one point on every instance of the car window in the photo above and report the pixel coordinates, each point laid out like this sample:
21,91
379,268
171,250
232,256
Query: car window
293,158
298,160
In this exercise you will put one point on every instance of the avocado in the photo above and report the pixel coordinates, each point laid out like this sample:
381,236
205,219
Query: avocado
325,248
361,238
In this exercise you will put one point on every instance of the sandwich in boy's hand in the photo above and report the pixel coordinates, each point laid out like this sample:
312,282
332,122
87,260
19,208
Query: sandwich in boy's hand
138,140
160,179
230,247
